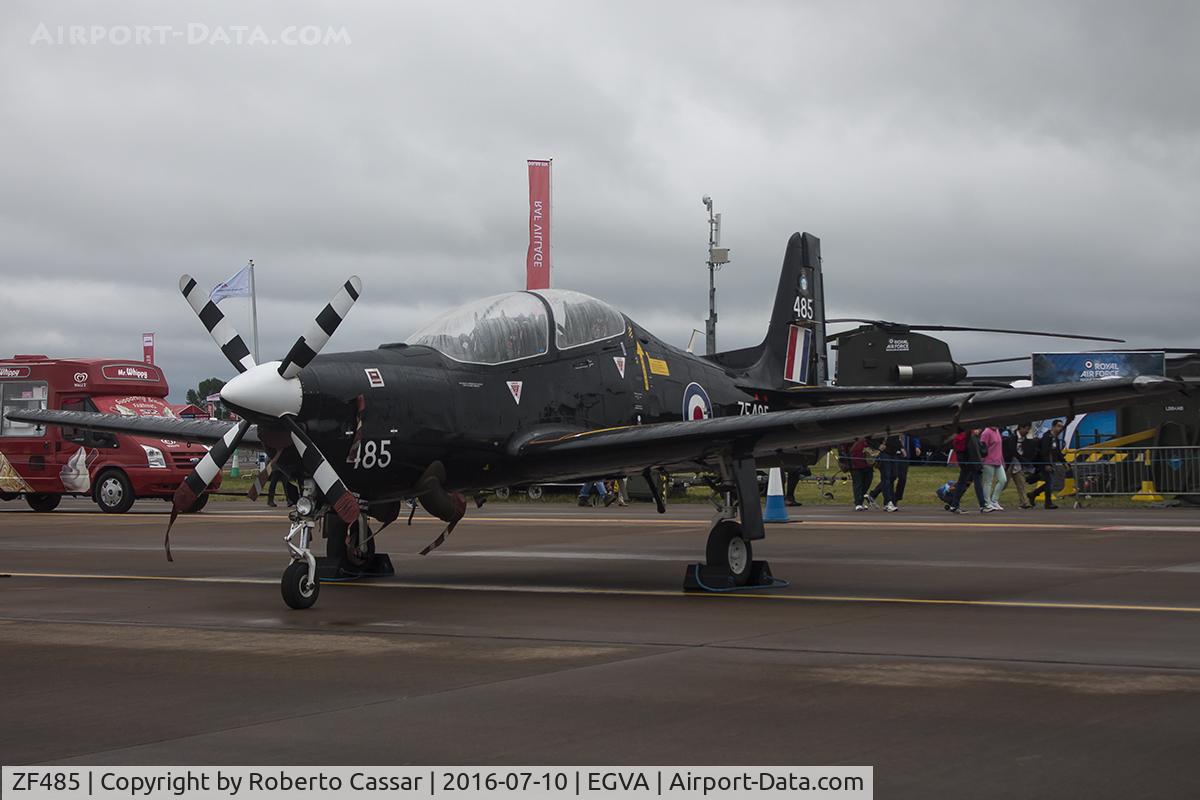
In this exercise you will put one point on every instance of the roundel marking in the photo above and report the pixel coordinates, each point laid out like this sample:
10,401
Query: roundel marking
696,404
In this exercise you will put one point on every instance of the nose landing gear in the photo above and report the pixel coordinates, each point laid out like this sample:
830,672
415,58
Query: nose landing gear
350,550
300,584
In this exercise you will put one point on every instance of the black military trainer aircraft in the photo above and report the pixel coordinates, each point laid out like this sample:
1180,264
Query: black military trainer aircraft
545,385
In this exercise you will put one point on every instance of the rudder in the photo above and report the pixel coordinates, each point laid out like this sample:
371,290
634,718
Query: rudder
793,352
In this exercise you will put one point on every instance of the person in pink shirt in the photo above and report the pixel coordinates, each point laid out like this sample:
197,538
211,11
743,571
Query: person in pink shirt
994,479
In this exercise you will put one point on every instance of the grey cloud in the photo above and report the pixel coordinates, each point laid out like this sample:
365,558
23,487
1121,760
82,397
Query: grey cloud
1028,164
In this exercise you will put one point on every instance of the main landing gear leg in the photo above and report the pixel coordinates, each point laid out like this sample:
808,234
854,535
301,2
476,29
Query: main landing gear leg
350,549
729,553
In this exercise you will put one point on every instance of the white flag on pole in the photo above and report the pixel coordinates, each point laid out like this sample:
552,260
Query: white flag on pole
237,286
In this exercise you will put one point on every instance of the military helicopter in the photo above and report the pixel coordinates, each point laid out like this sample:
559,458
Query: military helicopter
546,385
881,352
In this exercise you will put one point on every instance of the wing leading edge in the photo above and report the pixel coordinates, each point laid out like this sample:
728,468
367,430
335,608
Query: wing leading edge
203,431
631,449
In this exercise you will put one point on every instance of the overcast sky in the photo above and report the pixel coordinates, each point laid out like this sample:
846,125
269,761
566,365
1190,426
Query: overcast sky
1008,164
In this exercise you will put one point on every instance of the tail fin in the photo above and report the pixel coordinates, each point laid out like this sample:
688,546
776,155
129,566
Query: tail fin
793,352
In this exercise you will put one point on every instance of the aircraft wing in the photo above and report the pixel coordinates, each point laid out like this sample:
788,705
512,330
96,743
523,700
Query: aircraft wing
630,449
831,395
203,431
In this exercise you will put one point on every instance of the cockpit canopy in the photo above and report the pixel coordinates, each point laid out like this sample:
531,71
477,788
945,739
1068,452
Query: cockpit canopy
513,326
580,319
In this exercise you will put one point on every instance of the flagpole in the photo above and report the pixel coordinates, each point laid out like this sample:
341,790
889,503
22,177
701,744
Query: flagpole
550,231
254,312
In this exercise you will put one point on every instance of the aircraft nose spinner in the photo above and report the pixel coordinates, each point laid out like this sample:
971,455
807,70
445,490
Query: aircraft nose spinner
262,390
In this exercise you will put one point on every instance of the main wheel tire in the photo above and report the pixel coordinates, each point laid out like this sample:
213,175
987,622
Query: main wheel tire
503,493
334,530
360,558
114,492
6,496
534,492
351,559
43,502
729,550
297,592
199,505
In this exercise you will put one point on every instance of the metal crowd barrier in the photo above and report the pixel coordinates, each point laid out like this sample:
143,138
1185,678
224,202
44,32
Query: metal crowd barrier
1141,473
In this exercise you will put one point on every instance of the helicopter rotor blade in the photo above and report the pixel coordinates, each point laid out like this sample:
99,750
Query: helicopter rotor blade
1050,334
994,361
905,327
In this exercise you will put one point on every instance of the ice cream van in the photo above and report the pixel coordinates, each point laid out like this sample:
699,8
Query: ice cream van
42,463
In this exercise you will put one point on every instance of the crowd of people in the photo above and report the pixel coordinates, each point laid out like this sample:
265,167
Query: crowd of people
988,459
607,491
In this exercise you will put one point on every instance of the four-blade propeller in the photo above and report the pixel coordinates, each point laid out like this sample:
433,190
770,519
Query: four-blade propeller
267,390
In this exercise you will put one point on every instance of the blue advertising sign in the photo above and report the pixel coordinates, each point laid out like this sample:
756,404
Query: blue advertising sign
1098,426
1070,367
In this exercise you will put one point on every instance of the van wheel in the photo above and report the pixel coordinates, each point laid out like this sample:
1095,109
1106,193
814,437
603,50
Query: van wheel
199,505
43,502
114,493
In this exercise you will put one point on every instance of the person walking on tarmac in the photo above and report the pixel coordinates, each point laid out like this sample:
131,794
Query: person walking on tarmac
975,450
901,450
290,490
793,480
1049,456
861,471
891,456
967,455
1016,459
911,450
991,450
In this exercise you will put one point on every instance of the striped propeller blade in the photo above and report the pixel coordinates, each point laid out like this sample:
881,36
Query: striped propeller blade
227,338
326,477
204,474
307,346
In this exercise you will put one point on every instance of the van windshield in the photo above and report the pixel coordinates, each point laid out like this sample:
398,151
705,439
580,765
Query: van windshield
21,396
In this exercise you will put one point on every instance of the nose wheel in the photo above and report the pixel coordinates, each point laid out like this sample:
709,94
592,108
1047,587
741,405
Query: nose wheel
299,591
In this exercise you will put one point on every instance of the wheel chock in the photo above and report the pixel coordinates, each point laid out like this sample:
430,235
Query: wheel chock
377,566
706,578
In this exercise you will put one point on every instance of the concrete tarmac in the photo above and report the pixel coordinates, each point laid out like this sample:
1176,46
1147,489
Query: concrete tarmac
1029,653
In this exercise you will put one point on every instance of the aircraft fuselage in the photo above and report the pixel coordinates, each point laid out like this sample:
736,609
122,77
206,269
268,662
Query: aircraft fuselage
420,406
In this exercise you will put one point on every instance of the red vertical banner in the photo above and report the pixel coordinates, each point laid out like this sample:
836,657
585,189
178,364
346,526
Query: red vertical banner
148,348
537,258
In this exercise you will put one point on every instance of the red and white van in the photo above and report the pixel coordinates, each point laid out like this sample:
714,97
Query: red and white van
43,463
